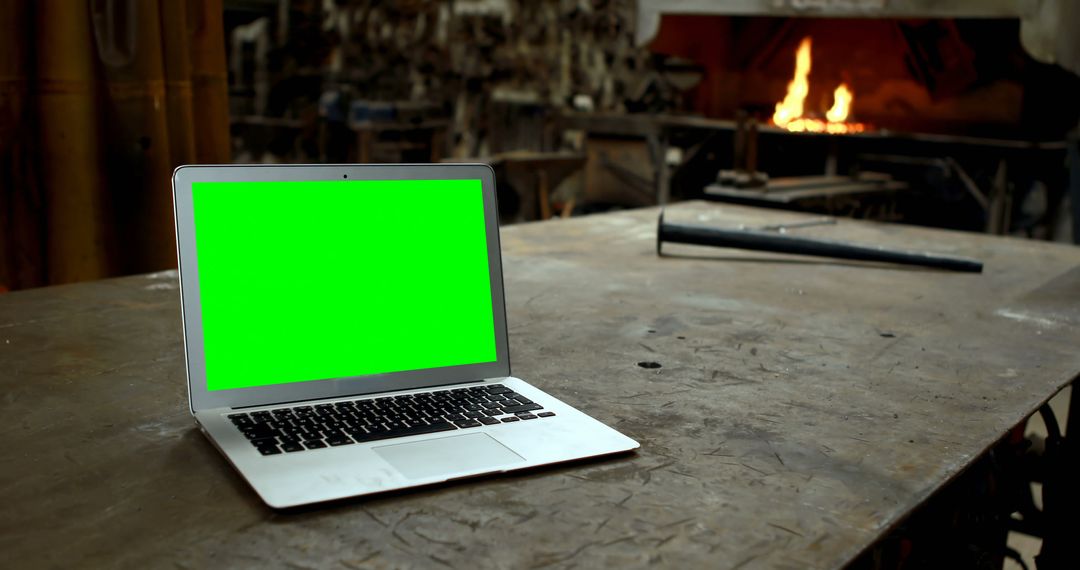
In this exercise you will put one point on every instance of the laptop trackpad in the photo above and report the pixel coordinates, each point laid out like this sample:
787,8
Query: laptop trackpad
447,456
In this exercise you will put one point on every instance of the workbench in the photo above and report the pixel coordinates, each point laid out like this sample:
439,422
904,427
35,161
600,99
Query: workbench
790,410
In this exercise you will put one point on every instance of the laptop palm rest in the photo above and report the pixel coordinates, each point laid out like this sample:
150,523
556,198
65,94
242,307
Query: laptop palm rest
448,455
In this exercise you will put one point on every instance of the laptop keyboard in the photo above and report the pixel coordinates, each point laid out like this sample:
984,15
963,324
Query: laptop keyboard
301,428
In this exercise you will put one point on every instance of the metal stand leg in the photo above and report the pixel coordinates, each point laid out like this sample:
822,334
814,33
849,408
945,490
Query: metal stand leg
1061,491
1074,183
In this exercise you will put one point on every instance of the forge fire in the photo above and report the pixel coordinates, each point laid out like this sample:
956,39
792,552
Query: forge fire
791,114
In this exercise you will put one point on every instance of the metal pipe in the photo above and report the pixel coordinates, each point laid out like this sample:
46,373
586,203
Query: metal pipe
781,243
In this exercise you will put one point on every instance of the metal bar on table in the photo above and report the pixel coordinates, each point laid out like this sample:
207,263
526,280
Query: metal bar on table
781,243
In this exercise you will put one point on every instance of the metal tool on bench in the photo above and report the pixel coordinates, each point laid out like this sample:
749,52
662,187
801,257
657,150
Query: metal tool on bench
783,228
781,243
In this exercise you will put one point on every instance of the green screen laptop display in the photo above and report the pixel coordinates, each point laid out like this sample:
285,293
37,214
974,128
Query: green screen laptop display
303,281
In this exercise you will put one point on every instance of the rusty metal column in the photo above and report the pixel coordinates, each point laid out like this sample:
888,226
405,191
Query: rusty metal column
129,50
179,108
70,150
22,252
209,80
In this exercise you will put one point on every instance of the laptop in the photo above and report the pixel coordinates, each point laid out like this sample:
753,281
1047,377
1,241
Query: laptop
345,331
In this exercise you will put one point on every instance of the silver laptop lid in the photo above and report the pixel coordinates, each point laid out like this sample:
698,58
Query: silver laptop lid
318,281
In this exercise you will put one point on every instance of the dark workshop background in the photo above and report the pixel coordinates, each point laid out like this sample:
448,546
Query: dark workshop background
583,106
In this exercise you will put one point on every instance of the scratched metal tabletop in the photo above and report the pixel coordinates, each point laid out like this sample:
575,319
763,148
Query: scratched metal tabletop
801,408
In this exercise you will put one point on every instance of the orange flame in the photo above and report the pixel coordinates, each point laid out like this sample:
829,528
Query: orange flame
791,107
842,98
789,112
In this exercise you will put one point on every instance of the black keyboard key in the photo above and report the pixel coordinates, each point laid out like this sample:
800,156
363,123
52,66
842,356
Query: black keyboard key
269,450
416,430
292,447
522,408
510,419
523,400
314,444
490,406
357,432
487,421
546,414
498,389
475,415
527,416
263,441
468,424
337,440
257,432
